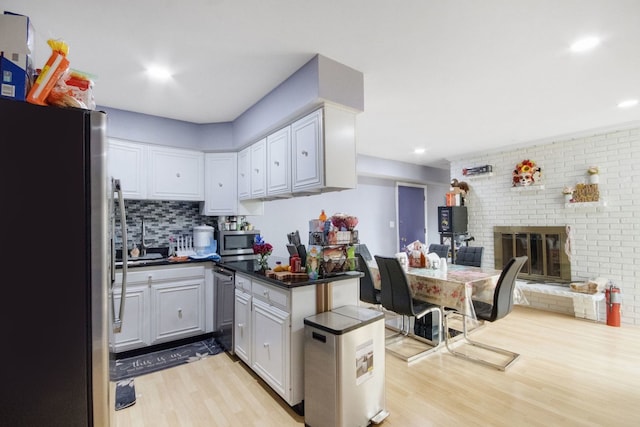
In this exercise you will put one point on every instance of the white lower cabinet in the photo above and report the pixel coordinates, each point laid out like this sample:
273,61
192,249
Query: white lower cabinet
269,332
271,346
242,327
135,331
162,304
179,310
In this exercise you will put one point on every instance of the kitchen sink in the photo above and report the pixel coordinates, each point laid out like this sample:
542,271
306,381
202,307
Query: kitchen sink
148,259
147,256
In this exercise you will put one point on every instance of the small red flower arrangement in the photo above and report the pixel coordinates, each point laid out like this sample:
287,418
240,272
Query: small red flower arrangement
261,247
263,250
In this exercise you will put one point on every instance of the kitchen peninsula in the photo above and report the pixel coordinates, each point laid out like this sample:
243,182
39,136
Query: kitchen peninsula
269,324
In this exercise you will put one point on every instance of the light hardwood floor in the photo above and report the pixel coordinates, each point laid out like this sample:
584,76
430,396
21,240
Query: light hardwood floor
571,373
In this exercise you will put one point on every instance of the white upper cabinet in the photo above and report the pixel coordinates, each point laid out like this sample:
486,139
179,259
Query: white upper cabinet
244,176
306,142
175,174
258,174
126,162
220,184
324,151
152,172
279,163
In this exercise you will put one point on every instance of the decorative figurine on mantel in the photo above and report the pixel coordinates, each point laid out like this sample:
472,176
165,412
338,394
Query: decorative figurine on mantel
593,175
568,194
526,173
455,197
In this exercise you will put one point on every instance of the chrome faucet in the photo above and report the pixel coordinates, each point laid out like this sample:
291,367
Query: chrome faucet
143,245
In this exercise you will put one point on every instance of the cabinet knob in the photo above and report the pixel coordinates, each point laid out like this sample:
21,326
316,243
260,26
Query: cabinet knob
242,174
240,325
179,313
277,163
266,345
178,175
304,153
219,184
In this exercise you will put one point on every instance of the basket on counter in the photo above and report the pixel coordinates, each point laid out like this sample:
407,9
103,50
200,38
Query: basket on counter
335,260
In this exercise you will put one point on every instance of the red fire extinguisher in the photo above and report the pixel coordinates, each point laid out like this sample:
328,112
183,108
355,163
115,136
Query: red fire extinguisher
613,297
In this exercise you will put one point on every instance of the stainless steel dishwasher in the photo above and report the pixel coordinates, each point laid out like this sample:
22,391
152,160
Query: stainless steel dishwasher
223,286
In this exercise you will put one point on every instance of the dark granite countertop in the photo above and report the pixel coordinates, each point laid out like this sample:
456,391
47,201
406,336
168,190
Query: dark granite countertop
254,273
257,274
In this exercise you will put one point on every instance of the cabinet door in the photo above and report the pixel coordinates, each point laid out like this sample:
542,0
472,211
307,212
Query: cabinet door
175,174
135,321
244,176
307,153
258,175
177,310
242,326
221,194
271,346
126,163
278,162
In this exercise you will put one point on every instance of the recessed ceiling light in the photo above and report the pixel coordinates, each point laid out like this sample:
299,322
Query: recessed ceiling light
585,44
419,150
158,73
628,103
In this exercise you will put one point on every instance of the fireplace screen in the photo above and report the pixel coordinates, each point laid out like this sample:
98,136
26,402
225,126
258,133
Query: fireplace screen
544,246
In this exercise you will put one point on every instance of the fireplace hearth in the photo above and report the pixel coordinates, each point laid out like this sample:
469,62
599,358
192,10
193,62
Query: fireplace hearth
543,245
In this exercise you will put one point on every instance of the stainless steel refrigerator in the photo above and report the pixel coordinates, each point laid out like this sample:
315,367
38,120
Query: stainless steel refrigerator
56,266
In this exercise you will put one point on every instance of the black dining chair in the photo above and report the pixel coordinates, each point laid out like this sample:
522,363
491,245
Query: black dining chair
469,255
441,250
396,296
368,292
501,306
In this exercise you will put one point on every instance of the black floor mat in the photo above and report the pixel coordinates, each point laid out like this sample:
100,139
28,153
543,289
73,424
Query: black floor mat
125,394
151,362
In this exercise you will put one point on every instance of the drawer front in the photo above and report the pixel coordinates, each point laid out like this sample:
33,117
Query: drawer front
146,276
243,283
271,295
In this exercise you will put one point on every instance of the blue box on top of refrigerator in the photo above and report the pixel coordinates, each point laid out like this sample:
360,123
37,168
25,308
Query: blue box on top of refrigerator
55,362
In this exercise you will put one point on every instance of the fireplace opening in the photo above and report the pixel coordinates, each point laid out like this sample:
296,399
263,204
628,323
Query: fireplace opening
544,246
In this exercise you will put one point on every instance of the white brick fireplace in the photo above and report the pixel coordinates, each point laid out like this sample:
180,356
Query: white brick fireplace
606,235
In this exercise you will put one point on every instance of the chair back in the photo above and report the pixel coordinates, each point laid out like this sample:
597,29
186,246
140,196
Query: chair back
395,293
441,250
469,255
361,248
368,292
503,296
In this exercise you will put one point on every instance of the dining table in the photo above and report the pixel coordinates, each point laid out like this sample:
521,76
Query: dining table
453,287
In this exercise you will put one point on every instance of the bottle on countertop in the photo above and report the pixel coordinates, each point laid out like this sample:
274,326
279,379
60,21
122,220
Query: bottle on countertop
323,216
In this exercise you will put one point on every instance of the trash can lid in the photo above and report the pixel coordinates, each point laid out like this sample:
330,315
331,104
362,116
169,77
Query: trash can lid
333,323
363,314
343,319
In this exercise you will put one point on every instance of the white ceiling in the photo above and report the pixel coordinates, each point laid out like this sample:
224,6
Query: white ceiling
455,77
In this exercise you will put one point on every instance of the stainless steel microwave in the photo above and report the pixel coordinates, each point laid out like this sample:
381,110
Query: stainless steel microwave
232,243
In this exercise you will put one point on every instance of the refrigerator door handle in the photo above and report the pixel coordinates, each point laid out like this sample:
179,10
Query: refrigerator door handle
117,321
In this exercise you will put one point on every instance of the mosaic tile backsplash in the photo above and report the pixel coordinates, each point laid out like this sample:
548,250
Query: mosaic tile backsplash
162,219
